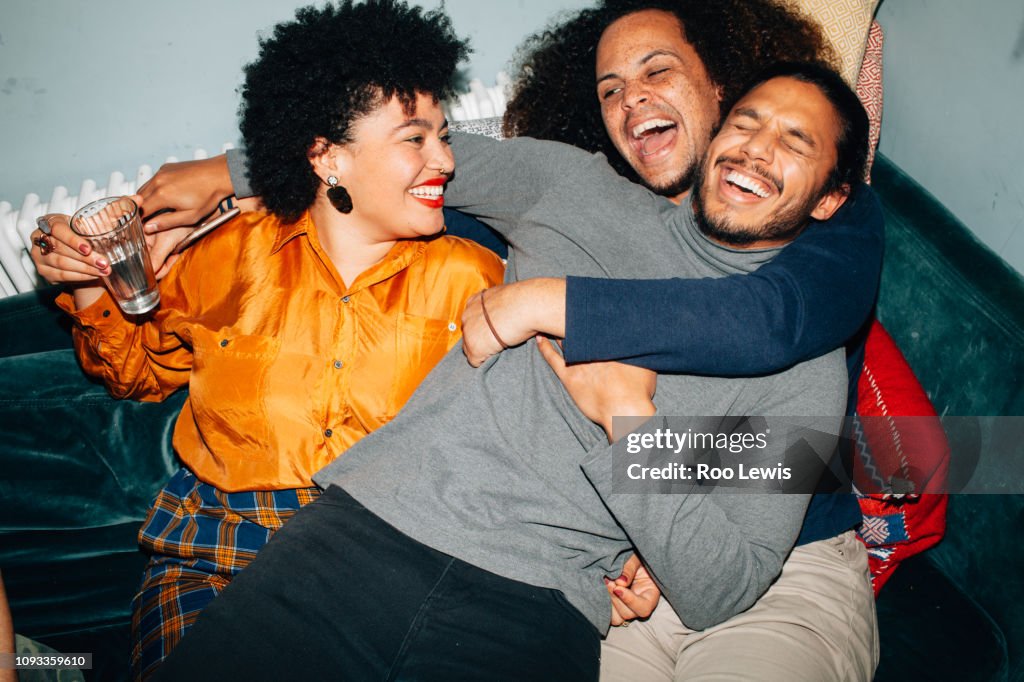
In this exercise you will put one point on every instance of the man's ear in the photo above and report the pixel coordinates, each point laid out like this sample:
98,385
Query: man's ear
830,203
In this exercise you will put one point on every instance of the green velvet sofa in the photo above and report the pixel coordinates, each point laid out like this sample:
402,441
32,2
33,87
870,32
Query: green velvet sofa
76,483
957,312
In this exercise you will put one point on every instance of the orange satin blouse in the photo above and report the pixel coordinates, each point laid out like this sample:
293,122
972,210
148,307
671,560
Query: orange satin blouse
286,367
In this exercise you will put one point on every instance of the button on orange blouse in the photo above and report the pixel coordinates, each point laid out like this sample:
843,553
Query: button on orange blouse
286,367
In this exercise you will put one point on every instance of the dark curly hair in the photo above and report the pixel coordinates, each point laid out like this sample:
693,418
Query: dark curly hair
554,95
318,74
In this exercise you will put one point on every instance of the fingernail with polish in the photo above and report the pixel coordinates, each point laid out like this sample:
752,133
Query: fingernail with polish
617,593
101,264
84,248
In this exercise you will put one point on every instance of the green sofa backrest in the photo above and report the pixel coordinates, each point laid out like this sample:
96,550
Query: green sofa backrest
957,312
955,308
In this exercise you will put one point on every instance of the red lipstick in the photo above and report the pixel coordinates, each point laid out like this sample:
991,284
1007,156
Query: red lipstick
431,201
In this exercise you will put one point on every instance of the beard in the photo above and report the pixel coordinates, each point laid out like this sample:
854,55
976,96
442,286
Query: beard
784,225
684,182
673,188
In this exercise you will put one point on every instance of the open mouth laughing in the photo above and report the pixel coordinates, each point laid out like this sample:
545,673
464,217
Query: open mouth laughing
747,182
430,193
653,136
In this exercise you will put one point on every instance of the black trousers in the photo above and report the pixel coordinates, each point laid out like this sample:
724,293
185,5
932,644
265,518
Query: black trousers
338,594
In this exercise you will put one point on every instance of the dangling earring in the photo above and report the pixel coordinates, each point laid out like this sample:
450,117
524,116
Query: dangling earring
338,195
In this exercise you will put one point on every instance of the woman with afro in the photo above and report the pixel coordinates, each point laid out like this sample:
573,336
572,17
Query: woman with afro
300,329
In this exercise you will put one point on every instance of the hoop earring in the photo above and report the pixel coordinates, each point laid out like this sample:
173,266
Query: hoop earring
338,196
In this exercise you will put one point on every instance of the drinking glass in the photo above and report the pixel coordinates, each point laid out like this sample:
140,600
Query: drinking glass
113,228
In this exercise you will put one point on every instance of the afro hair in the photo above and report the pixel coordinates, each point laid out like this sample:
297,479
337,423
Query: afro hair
322,71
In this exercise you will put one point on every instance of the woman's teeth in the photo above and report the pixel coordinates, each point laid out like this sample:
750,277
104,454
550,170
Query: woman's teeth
427,191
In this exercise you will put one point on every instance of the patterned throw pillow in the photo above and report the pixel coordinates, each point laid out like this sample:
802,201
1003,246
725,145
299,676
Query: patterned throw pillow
846,24
902,433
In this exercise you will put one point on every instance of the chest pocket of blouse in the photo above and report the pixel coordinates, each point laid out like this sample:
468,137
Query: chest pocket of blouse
420,343
227,390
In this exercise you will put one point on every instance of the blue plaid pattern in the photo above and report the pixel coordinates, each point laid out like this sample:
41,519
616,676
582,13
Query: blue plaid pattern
198,538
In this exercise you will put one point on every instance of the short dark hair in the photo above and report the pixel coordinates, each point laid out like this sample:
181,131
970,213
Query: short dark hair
554,95
319,73
852,145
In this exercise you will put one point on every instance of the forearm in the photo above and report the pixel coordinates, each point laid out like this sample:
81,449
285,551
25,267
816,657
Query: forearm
86,296
716,547
712,554
810,299
500,181
626,417
541,304
727,558
133,359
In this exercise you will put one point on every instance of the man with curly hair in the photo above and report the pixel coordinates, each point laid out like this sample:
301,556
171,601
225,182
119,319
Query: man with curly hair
730,41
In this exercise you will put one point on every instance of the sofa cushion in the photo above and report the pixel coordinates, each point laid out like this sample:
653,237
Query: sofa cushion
845,23
33,323
899,438
870,90
80,472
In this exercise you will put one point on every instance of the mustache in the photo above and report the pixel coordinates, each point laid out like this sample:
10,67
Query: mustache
751,168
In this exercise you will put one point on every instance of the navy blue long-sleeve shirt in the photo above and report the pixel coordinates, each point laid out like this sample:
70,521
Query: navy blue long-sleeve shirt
810,299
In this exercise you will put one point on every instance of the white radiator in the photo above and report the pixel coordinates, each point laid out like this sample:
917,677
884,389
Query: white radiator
18,274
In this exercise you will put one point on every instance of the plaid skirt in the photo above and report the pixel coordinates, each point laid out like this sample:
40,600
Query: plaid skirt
198,538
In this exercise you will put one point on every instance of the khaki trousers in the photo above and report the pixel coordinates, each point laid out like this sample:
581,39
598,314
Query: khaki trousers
816,623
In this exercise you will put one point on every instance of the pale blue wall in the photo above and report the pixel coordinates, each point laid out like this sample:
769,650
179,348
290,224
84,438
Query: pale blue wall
954,110
89,87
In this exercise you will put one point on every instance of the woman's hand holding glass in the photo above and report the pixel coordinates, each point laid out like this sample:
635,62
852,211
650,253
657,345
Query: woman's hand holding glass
181,193
71,260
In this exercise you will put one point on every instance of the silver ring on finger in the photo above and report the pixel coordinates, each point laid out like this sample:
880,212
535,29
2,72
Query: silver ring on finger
43,223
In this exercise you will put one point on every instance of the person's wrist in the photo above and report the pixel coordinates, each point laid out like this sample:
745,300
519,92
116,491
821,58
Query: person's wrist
224,184
543,305
631,413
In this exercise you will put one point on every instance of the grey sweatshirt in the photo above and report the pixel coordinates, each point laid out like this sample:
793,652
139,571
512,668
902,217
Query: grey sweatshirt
496,466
